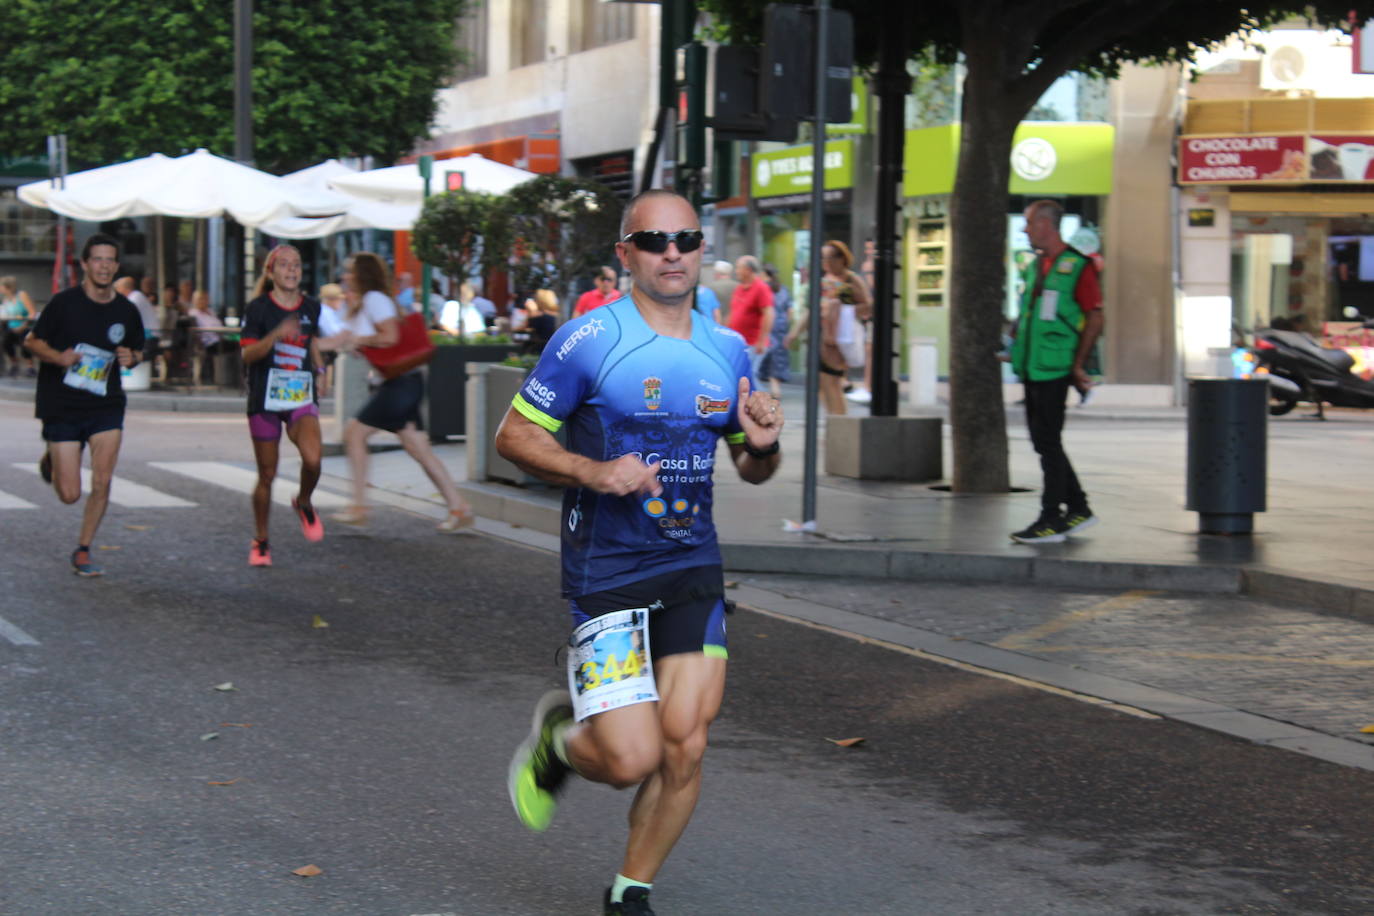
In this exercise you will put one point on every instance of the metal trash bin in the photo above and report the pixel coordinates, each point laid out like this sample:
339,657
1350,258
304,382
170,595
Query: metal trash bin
1227,452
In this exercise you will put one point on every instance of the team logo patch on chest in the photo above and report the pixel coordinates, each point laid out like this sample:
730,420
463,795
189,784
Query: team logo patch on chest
653,392
707,407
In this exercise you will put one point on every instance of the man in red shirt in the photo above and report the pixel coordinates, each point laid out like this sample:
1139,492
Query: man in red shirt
603,293
751,309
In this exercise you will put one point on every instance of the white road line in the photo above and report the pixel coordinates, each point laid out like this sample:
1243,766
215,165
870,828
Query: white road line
125,492
14,502
15,635
244,480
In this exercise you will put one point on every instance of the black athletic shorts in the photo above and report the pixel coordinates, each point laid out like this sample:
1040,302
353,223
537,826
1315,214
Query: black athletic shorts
692,618
79,427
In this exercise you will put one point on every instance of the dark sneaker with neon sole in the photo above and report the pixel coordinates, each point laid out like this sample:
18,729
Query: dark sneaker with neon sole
536,774
1043,530
636,903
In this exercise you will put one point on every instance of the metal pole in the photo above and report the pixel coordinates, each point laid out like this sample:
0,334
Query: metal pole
813,298
426,170
892,86
57,173
243,81
243,256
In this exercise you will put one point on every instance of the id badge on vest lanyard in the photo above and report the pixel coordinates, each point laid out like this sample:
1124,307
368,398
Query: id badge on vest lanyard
91,371
609,665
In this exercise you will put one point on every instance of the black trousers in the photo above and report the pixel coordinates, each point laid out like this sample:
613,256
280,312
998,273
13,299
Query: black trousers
1045,419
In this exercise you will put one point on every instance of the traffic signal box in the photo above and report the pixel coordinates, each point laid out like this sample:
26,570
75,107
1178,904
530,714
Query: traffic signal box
761,93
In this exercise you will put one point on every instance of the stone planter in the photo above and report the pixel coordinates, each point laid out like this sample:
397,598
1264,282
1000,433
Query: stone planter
446,403
490,391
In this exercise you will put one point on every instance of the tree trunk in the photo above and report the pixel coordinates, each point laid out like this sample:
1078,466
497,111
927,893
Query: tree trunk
978,276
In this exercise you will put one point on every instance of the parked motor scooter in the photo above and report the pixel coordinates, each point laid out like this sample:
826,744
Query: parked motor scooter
1300,369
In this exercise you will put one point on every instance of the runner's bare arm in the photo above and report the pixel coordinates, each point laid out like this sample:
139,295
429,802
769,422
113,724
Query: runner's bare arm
760,416
44,351
534,449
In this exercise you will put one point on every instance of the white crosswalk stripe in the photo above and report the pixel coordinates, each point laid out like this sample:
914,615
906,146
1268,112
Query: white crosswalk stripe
243,480
124,492
8,501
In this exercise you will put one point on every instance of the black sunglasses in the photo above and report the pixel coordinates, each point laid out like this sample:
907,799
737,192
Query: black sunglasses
655,241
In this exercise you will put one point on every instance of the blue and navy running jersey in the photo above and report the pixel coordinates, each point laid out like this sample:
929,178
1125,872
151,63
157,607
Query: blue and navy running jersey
619,388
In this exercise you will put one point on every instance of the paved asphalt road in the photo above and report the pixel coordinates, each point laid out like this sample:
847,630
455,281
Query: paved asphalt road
375,747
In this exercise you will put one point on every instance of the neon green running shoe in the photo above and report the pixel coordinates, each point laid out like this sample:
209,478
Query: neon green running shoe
536,773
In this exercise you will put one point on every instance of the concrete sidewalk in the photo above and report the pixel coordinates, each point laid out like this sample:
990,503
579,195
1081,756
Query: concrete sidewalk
1313,546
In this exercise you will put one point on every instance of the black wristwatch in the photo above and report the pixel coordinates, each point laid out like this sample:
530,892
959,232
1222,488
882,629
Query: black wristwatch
762,452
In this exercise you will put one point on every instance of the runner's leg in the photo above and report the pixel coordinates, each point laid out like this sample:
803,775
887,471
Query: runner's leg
691,687
305,434
104,455
266,452
66,470
619,748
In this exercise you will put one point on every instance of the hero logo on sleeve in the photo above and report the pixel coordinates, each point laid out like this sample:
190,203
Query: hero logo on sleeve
592,328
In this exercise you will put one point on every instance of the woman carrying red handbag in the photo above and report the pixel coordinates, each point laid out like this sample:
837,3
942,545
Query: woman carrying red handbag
373,325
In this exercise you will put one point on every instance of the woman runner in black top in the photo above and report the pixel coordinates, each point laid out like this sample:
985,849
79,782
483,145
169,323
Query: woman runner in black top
285,375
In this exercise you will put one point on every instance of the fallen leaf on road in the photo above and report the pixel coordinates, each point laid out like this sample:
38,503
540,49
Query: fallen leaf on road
308,871
733,583
210,736
136,527
227,782
318,622
845,742
236,725
761,635
1368,730
110,547
227,685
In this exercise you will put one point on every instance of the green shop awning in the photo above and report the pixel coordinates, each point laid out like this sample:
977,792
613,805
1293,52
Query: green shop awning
1047,158
788,171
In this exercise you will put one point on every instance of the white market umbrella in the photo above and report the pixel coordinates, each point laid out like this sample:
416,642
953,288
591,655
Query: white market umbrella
399,184
361,212
198,185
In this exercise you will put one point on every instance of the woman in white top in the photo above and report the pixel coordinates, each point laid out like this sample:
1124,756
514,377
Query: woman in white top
371,318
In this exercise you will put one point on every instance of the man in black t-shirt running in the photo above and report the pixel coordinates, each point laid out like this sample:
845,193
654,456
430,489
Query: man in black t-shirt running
83,338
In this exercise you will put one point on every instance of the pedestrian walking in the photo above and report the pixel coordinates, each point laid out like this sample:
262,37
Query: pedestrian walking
844,303
1060,320
280,342
16,319
83,337
645,388
776,365
373,319
751,309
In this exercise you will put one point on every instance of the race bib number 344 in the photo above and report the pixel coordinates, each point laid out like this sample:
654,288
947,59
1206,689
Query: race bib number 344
609,663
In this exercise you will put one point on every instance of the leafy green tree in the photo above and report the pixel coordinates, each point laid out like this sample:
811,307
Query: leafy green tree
122,80
463,232
563,228
1012,51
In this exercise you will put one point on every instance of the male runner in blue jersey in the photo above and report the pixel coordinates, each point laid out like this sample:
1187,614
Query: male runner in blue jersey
644,387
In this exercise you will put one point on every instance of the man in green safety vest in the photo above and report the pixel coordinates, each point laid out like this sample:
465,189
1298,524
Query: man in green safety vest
1060,320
